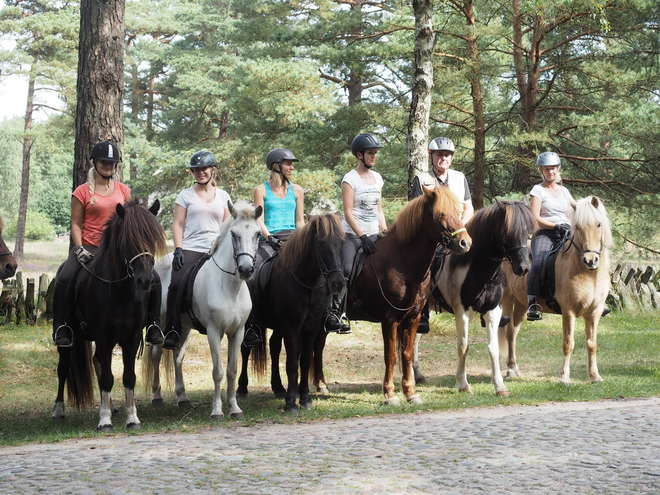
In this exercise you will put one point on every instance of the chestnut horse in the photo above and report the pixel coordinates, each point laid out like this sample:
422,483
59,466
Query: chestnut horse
7,261
582,282
395,282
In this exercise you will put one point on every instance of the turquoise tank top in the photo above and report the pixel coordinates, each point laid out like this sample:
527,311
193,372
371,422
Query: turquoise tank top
279,213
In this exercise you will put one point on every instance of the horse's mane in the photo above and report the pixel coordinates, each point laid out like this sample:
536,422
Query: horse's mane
138,231
2,225
409,220
508,220
587,216
300,243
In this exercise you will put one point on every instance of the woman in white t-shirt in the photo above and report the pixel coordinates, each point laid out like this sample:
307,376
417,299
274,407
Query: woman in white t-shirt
198,212
363,212
549,202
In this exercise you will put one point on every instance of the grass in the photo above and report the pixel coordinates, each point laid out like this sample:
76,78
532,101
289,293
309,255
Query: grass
629,361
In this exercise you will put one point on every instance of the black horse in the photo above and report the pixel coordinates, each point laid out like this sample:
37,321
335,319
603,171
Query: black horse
7,261
110,307
306,271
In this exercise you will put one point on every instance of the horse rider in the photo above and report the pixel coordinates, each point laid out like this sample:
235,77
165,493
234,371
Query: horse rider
284,207
361,194
198,212
92,205
550,203
441,152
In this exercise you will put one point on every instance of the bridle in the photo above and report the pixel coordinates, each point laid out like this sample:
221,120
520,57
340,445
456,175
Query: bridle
130,273
447,235
323,268
572,242
235,247
7,253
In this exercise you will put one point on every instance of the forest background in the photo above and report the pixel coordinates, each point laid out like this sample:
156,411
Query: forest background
512,78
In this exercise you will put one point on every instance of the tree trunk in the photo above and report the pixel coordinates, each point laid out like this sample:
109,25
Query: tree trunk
420,106
25,176
100,89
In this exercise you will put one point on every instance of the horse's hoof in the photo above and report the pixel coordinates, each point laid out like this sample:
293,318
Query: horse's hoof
237,416
598,379
415,399
511,373
115,411
280,395
420,379
322,390
157,402
185,404
133,426
217,417
58,419
391,401
104,428
565,381
307,405
291,410
503,393
467,390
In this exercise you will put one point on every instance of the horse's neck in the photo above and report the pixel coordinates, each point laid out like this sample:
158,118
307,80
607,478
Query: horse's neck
417,255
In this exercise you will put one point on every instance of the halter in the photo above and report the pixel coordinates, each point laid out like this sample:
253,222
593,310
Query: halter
572,242
7,253
324,271
508,252
447,235
236,256
129,268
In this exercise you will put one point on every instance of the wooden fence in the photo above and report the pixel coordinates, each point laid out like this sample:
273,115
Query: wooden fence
633,287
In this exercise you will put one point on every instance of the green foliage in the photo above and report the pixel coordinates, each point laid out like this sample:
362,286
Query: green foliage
37,228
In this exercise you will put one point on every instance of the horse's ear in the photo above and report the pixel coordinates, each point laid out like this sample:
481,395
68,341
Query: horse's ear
120,210
500,205
155,207
595,202
231,209
258,211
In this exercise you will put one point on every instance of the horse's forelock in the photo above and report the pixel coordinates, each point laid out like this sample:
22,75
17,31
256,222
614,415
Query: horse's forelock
587,216
445,202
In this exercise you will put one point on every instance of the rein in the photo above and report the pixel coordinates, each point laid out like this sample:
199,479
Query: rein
129,269
380,286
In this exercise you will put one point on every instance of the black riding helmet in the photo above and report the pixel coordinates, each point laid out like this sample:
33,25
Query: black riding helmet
278,155
203,159
364,141
105,150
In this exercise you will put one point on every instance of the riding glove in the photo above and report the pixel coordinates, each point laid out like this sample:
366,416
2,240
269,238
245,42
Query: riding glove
179,259
368,245
563,229
82,254
274,242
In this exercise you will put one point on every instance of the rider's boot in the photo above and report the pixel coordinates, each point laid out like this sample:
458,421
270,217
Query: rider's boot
423,326
62,332
533,309
335,319
154,333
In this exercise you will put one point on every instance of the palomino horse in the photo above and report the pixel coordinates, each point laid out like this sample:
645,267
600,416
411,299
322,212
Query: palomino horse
582,282
7,261
395,282
221,302
305,273
110,306
475,282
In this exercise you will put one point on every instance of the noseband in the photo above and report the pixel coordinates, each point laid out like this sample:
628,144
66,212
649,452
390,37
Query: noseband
447,235
235,246
130,273
573,242
8,253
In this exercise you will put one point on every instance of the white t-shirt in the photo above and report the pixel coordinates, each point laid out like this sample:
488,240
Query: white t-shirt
553,208
203,219
366,198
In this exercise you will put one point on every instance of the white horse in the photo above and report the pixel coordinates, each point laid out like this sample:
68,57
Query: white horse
221,301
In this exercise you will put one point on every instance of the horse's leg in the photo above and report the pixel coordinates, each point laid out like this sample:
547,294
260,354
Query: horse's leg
103,363
63,366
234,342
407,374
492,319
291,346
591,333
214,336
156,353
97,370
128,357
319,377
462,320
568,321
389,350
179,354
419,376
509,333
275,378
305,362
243,381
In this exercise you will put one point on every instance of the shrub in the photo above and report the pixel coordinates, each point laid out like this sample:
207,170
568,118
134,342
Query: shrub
37,228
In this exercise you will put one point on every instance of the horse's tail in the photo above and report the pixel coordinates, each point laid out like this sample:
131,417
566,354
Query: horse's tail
258,353
80,388
167,364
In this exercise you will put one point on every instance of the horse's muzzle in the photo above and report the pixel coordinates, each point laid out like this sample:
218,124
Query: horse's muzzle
245,271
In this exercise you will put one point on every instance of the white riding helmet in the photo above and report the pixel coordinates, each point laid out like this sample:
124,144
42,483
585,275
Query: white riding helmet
442,144
548,159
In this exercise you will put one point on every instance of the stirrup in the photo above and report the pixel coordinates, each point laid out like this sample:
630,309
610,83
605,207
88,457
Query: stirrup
171,340
159,337
62,339
534,314
332,323
251,338
344,325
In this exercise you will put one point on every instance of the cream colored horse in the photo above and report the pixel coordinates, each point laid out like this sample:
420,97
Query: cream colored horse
582,282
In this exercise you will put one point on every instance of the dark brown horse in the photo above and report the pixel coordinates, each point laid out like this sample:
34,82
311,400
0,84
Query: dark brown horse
395,282
7,261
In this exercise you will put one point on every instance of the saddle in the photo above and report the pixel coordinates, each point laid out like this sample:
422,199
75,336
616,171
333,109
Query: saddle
183,303
356,269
